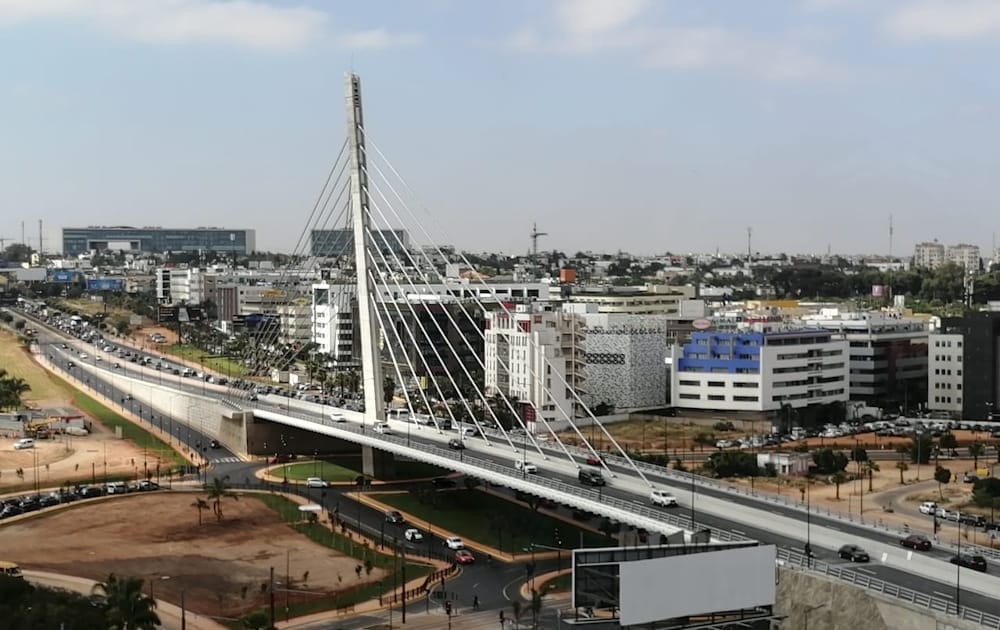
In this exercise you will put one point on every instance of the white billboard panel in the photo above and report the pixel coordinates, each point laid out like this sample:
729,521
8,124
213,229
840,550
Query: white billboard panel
696,584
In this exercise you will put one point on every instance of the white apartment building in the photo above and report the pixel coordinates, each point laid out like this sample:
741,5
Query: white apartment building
535,355
179,285
760,369
295,321
624,358
964,255
333,319
928,254
944,373
653,299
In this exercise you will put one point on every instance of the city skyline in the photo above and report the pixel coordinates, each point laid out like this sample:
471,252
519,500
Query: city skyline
633,125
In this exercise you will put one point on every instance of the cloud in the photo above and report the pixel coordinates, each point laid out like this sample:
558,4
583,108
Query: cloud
945,20
596,26
378,39
244,23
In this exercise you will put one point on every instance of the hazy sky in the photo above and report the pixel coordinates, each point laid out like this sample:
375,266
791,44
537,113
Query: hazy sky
645,126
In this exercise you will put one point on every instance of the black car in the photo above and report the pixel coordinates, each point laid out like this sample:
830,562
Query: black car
214,444
456,444
853,553
591,478
443,482
916,541
394,517
969,561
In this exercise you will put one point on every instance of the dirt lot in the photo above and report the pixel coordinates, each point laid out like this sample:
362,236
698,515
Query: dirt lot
220,566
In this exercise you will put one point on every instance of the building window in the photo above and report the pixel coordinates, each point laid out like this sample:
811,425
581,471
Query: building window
716,397
689,396
745,399
716,384
688,383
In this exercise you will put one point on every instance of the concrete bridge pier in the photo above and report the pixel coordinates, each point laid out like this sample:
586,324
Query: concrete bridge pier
377,464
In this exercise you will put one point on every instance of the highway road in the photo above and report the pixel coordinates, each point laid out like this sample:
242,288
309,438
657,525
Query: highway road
827,533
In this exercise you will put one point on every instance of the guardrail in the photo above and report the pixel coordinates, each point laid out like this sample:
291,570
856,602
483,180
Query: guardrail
797,561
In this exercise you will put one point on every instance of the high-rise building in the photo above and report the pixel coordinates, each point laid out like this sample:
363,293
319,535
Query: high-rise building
179,285
333,320
534,355
965,365
964,255
929,255
158,240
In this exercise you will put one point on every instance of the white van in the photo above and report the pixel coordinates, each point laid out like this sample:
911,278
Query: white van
928,507
662,498
24,443
383,428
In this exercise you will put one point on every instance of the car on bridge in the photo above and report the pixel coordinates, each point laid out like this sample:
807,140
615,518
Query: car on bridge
525,467
383,428
336,416
454,542
916,541
591,478
456,444
854,553
464,556
969,561
413,535
662,498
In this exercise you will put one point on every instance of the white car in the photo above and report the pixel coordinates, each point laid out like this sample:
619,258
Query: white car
83,355
316,482
383,428
662,498
526,467
336,416
454,543
928,507
24,443
413,535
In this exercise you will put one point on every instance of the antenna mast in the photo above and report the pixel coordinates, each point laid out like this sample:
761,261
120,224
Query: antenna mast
535,234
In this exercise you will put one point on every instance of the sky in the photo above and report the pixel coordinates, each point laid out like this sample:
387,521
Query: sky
645,126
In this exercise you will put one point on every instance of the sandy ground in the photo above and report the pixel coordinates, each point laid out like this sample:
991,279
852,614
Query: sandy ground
220,566
77,459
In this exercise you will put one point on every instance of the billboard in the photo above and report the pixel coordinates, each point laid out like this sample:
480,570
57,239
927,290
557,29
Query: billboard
168,314
105,284
713,582
64,277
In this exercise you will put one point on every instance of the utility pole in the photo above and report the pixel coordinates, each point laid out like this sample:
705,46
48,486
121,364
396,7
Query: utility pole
271,592
749,245
535,234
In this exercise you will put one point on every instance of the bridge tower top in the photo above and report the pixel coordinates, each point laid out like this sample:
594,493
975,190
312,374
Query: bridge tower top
371,364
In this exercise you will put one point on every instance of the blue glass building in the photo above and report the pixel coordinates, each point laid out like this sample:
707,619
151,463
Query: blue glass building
157,240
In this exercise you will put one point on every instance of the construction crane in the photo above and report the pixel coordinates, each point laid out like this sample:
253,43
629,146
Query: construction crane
534,242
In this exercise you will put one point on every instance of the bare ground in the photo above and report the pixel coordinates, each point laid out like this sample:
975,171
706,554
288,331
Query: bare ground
221,567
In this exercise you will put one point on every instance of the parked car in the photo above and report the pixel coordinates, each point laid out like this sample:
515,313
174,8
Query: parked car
928,507
969,561
316,482
662,498
394,517
854,553
413,535
24,443
525,466
916,541
454,542
456,444
147,486
464,556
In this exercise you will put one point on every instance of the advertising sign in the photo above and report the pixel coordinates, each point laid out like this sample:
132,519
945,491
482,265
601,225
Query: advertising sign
105,284
64,277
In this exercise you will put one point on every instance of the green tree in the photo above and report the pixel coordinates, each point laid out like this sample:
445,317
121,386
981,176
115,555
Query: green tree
986,491
836,479
859,454
704,439
921,448
732,464
870,467
942,475
218,490
829,461
127,608
948,441
256,620
977,450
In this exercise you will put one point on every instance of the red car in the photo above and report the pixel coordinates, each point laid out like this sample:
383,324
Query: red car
916,541
464,556
594,461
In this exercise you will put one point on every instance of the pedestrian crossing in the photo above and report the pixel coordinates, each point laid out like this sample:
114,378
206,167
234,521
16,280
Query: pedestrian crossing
226,460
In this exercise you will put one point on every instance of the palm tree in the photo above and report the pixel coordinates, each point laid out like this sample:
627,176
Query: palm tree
838,478
201,505
869,468
217,491
126,607
977,450
903,467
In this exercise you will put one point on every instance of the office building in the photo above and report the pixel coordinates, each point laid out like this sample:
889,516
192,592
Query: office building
333,320
762,369
966,349
179,285
331,243
157,240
